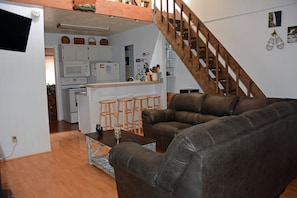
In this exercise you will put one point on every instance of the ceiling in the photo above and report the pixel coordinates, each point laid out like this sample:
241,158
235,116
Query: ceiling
53,16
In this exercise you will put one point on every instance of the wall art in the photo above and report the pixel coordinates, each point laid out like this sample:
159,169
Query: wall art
292,34
275,19
84,5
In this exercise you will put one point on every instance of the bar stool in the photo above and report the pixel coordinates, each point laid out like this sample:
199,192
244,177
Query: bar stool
140,104
154,101
125,108
107,110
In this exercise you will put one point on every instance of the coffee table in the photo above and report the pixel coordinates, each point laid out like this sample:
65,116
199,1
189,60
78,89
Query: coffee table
107,140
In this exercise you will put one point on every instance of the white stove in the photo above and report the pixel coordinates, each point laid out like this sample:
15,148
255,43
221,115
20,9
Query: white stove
70,87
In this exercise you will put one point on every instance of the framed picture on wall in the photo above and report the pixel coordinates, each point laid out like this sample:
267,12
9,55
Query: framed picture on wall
275,19
292,34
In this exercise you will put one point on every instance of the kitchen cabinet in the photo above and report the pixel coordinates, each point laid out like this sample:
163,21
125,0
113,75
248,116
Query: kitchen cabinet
85,52
100,53
74,52
81,52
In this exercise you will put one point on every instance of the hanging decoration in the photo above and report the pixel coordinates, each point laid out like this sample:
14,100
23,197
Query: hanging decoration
84,5
276,40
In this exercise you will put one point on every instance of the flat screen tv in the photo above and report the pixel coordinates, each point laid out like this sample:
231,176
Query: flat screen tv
14,31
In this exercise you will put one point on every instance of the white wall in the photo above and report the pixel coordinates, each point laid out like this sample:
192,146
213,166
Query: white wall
143,39
23,100
184,79
148,39
242,27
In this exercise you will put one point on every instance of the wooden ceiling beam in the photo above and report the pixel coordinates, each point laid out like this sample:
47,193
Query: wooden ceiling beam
102,7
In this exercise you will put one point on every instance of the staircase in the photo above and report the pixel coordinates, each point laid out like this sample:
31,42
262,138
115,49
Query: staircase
211,65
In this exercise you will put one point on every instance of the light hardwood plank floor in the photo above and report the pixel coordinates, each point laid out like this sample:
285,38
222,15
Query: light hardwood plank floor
65,173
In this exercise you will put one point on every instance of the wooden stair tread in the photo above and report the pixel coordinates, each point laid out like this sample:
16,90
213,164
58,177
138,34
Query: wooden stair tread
199,52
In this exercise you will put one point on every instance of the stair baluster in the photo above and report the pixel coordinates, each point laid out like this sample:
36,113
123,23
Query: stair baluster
202,53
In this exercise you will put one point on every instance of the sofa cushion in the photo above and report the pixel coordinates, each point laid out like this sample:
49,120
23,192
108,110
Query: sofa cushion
192,118
169,128
219,105
247,103
260,117
187,102
158,115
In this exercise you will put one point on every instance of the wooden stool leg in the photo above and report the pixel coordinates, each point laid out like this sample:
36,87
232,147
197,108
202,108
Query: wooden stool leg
125,114
153,103
134,107
139,114
100,113
119,110
159,103
105,115
114,114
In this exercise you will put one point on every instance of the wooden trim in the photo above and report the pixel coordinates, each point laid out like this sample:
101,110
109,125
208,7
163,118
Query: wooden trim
102,7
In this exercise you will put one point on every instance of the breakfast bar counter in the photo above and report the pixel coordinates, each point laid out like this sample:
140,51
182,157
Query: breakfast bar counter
88,103
121,84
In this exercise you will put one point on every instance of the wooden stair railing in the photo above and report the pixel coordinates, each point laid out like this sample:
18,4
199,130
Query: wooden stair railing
211,65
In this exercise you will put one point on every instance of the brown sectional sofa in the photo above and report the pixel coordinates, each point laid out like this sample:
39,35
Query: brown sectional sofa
188,109
248,154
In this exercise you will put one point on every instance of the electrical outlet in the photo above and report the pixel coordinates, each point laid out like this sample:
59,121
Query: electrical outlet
14,139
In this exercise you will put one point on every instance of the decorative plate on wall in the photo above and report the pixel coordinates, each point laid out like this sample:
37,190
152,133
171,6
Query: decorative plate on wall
65,40
103,42
79,41
92,41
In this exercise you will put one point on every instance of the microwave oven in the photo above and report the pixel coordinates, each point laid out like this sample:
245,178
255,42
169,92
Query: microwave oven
75,68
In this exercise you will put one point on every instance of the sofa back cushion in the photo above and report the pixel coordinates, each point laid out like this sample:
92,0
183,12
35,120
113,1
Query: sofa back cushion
246,103
187,102
192,118
219,105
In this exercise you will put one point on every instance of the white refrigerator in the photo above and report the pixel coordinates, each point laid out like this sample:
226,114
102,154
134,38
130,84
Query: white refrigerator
104,72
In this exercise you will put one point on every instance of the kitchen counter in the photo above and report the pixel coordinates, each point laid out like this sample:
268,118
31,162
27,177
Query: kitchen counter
121,84
88,103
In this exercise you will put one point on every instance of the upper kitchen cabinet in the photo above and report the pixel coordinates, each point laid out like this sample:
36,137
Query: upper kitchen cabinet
100,53
85,52
74,52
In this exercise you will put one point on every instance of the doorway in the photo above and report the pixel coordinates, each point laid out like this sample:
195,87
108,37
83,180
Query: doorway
53,93
129,61
51,83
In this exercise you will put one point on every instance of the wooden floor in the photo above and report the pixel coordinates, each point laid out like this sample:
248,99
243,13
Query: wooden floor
60,126
65,173
62,173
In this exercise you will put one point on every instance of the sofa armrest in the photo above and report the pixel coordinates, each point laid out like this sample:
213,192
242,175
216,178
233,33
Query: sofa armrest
137,160
158,115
